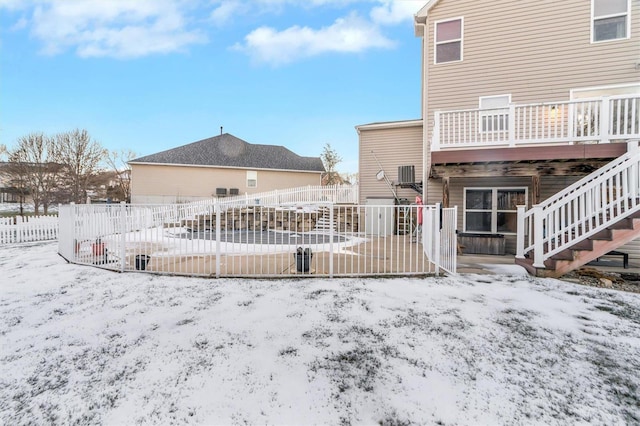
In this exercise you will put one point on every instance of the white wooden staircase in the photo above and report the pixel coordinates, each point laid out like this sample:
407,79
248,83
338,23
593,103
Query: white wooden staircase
324,222
590,218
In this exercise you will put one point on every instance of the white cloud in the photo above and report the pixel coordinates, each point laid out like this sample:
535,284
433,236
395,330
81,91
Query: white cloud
12,4
226,9
350,34
20,24
113,28
393,12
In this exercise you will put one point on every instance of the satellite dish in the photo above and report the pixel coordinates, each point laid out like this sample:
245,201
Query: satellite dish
380,175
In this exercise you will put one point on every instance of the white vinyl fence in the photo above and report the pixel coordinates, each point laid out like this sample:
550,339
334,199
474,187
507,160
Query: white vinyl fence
19,229
302,239
337,194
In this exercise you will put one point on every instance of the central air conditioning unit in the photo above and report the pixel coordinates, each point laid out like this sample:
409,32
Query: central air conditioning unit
406,175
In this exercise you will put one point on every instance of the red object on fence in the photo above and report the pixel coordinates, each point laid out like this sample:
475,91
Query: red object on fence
97,248
419,203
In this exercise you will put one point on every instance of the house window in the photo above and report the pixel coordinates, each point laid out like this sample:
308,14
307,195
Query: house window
252,179
610,20
492,210
494,114
448,39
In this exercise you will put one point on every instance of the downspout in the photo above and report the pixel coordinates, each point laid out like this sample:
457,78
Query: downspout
425,118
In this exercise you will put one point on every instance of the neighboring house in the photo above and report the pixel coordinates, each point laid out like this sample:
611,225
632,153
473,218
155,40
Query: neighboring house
8,193
519,100
219,166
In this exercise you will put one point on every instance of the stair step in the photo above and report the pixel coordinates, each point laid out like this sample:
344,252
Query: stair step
605,234
583,245
563,255
626,223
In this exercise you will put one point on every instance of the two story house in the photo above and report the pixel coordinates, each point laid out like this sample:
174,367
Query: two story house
520,101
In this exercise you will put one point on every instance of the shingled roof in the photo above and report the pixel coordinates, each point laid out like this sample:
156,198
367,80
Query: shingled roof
229,151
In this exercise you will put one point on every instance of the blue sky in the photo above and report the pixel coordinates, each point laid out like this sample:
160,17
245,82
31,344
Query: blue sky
150,75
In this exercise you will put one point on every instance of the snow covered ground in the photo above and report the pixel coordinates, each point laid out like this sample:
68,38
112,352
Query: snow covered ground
83,345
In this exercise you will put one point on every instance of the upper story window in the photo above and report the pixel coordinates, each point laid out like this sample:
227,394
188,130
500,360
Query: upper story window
252,179
610,19
448,40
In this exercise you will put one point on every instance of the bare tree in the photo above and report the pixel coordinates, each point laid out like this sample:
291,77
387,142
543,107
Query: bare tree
330,159
80,156
36,155
17,173
351,178
118,161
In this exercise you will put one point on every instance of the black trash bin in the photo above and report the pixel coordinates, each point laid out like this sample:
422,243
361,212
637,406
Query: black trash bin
303,259
141,261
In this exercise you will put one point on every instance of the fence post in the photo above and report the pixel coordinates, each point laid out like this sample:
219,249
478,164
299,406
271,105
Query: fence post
520,232
633,149
330,240
123,235
437,227
72,222
538,237
218,213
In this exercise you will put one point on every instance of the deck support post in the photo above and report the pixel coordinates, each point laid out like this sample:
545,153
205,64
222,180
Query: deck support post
535,189
445,192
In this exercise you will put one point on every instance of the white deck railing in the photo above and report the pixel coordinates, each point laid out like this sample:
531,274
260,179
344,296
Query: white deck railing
337,194
19,229
581,210
596,120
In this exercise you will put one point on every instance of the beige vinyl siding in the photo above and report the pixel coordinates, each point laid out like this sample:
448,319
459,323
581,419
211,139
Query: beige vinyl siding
394,147
536,51
169,183
433,192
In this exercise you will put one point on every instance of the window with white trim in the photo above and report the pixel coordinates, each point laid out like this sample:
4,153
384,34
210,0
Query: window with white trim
492,210
610,20
252,179
494,114
448,41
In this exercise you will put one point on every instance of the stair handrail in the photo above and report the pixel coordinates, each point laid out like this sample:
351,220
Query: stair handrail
546,240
